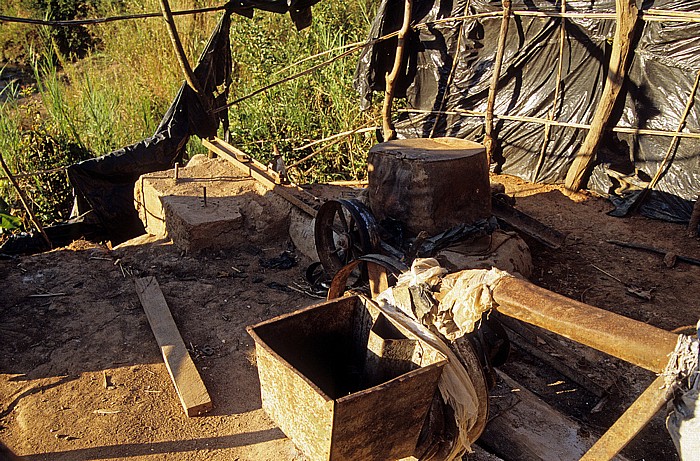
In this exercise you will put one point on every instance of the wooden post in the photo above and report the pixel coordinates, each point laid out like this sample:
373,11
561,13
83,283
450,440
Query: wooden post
626,14
387,127
488,128
23,199
179,51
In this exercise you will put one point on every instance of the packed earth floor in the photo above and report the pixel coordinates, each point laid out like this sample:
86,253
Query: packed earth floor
82,378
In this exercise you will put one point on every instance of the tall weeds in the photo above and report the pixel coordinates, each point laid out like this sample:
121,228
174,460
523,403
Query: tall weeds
117,94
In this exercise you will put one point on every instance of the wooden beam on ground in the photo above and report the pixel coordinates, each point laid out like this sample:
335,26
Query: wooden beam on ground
626,13
267,177
524,427
189,386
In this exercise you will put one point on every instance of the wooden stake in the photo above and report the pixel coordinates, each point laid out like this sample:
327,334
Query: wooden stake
495,77
387,126
25,202
627,13
694,219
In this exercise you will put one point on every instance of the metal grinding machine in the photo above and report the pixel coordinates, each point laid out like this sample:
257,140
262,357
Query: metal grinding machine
431,198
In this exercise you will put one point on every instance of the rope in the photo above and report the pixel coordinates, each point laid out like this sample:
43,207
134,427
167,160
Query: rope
84,22
683,363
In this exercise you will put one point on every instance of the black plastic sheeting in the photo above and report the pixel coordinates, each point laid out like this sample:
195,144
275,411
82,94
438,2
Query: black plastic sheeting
104,186
449,68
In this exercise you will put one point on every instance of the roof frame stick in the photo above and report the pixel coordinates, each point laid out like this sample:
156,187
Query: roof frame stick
495,77
388,131
626,13
190,78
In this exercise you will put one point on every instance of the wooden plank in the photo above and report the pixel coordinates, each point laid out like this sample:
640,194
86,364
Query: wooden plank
632,421
267,177
626,13
189,386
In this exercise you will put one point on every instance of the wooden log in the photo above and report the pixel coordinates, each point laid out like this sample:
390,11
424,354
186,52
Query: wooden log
488,136
189,386
627,13
630,340
191,79
525,428
387,127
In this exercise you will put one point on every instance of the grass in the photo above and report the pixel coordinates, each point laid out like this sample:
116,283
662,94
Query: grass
117,94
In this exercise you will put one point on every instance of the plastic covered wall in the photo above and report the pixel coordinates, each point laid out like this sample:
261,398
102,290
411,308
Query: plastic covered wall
449,67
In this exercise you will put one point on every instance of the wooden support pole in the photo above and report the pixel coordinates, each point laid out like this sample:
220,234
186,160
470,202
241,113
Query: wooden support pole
190,78
25,202
495,77
388,131
626,12
632,421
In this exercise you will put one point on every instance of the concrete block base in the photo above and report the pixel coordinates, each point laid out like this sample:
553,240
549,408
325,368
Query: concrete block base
238,209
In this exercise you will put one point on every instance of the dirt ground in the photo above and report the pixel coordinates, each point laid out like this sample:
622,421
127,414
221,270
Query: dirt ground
82,378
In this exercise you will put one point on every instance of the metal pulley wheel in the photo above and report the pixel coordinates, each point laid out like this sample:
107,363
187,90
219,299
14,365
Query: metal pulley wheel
344,231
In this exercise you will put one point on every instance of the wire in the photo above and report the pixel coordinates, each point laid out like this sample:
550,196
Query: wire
84,22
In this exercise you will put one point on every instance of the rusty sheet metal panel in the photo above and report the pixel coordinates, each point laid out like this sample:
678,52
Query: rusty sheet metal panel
313,383
429,184
627,339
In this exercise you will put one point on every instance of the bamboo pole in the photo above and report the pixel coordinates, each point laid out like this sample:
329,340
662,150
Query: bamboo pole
495,77
626,11
190,78
87,22
388,131
25,202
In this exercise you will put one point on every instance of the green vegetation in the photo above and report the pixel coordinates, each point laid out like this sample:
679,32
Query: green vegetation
105,86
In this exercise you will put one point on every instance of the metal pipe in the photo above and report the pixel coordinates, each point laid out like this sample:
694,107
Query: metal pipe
627,339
